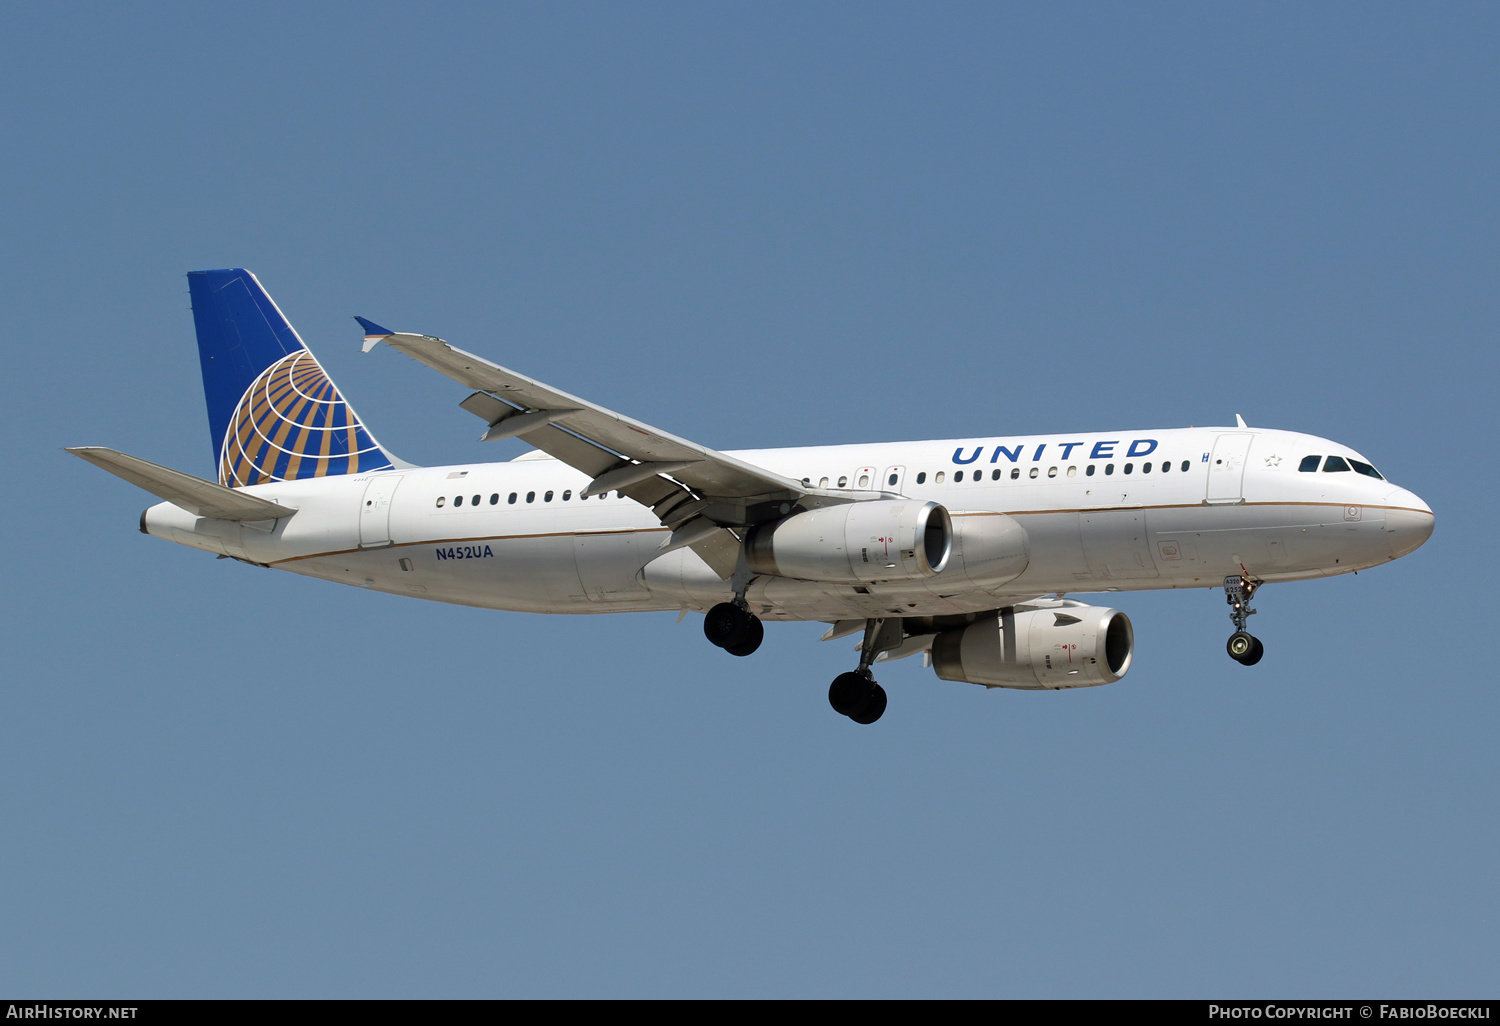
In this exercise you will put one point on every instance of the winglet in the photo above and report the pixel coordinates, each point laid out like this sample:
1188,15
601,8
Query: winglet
374,333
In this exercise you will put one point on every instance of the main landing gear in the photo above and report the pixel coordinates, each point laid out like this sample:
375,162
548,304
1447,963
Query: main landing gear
855,694
734,628
1243,648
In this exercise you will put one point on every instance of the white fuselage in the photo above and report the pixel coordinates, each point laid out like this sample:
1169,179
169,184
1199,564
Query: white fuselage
1240,504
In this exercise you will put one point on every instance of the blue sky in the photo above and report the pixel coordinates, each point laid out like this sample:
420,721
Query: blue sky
754,225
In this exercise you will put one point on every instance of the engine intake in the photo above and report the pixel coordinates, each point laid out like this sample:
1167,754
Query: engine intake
1073,646
855,543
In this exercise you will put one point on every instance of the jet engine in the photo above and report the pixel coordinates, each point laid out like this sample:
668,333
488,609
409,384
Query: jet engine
855,543
1064,646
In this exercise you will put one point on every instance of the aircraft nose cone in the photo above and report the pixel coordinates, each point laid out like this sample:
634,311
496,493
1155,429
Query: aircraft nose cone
1408,522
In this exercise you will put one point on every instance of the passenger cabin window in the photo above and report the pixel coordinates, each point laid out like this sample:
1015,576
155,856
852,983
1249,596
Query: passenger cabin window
1145,468
939,478
547,497
442,499
1309,464
1365,469
458,500
892,481
922,477
567,495
1185,465
958,476
1335,465
1072,471
1015,473
475,501
1166,466
995,474
512,499
1035,471
1051,471
531,496
823,482
1090,471
843,481
1109,468
1129,467
495,499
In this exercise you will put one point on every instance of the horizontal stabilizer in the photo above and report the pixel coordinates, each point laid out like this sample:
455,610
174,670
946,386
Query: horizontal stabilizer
204,498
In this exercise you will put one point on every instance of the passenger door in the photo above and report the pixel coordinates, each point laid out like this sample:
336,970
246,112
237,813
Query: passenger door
375,511
1226,469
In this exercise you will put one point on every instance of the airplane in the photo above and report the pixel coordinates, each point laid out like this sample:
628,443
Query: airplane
961,550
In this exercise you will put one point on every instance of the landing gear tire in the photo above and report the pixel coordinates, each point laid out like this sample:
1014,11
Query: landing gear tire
873,707
857,696
847,692
753,637
727,625
1245,649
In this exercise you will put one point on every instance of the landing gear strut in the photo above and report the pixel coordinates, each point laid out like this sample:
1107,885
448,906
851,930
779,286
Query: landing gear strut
1242,647
731,625
855,694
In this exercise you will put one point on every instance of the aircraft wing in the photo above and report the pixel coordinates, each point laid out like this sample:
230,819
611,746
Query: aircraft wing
710,489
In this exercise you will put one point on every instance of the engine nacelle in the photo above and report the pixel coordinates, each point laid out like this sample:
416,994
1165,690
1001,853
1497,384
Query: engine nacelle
1061,647
855,543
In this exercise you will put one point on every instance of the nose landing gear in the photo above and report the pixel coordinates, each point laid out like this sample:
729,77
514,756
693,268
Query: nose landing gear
1242,647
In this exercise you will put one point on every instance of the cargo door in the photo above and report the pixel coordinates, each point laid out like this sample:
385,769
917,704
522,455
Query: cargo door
608,565
1115,544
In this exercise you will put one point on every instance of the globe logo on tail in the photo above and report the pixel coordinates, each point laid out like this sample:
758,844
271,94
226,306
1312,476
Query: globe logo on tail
291,423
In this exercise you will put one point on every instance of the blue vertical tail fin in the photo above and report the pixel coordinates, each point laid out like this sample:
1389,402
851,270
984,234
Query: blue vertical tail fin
273,411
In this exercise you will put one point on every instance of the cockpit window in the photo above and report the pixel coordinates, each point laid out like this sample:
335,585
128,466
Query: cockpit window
1335,464
1365,469
1310,464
